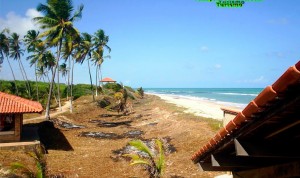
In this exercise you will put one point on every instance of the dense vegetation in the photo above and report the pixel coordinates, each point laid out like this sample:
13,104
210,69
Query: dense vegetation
53,52
109,89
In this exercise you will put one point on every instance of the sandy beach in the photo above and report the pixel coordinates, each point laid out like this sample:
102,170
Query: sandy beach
198,107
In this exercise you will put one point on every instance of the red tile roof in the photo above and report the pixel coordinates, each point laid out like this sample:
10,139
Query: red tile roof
107,80
14,104
290,77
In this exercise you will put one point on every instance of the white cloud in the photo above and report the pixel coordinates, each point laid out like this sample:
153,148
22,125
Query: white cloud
20,24
204,48
218,66
279,21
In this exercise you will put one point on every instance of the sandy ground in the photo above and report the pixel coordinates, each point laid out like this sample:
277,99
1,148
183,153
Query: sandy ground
72,155
198,107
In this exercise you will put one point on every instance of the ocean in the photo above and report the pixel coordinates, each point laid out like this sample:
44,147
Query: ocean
237,97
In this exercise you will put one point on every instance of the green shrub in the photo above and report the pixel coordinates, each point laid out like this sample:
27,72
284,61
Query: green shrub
104,102
140,91
113,86
79,90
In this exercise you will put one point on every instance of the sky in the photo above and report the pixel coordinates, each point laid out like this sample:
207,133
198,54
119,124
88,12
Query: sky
179,43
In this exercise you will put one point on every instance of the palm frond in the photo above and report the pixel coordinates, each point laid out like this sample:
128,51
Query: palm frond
141,161
24,169
161,158
139,145
78,14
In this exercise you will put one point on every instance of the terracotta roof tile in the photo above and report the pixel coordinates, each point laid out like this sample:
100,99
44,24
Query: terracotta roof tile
291,76
107,80
14,104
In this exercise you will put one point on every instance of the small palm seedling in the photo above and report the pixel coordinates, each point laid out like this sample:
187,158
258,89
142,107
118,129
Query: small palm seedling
40,165
152,160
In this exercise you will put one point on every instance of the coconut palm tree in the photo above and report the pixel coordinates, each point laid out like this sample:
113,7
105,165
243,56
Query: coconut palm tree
70,52
4,51
100,42
16,52
85,53
57,23
31,41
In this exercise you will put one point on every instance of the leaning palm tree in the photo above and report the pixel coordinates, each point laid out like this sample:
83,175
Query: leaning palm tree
57,23
16,52
4,51
31,41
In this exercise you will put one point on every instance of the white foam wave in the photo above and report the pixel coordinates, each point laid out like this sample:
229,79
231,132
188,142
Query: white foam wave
238,94
194,98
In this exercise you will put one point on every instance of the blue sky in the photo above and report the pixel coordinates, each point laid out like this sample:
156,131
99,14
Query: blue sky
181,43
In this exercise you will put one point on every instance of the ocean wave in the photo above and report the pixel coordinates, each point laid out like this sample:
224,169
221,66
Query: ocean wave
195,98
238,94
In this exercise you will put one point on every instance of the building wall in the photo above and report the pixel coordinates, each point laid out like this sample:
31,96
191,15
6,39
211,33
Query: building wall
13,136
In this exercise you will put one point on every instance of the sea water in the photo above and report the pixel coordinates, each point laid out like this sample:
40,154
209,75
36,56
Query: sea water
237,97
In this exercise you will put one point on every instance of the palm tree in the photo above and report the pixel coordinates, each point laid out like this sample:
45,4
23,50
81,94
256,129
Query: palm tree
31,41
15,53
100,42
57,23
85,52
70,50
4,51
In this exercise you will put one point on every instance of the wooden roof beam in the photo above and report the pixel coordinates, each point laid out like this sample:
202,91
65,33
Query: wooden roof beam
205,166
264,150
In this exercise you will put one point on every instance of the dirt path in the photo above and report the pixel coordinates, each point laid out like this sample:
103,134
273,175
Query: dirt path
64,108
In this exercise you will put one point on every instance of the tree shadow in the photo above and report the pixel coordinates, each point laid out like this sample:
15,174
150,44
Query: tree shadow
52,138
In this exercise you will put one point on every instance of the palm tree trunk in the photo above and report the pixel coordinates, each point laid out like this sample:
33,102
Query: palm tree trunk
36,84
47,115
58,90
96,81
23,77
13,75
71,89
100,72
53,89
27,81
91,80
68,89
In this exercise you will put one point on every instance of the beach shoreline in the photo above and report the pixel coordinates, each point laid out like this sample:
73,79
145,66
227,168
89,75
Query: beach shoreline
199,107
